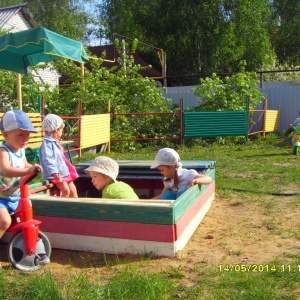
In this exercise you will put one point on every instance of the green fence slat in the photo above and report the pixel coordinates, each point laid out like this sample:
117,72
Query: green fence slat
215,123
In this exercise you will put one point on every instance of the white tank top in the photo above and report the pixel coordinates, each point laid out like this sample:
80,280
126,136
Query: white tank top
9,186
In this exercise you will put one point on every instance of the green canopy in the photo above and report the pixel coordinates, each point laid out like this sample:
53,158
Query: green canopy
22,49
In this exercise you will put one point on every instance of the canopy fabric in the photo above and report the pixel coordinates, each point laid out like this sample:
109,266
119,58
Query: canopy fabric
22,49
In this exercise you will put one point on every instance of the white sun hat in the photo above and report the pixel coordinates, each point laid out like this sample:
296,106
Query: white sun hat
104,165
51,122
166,157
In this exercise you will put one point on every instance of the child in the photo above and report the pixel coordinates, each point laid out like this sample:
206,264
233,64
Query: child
296,122
15,127
104,172
176,179
293,125
55,164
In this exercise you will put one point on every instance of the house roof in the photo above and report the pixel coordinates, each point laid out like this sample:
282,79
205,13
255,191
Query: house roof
112,55
6,13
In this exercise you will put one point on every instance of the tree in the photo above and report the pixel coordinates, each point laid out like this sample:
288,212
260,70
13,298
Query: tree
66,17
248,33
127,90
203,37
284,33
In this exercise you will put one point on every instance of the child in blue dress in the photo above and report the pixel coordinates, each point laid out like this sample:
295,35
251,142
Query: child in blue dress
56,165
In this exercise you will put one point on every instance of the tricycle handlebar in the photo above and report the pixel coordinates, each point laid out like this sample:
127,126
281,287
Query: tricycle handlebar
29,177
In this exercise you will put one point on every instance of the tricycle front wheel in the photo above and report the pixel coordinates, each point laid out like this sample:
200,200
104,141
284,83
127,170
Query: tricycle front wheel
20,259
296,150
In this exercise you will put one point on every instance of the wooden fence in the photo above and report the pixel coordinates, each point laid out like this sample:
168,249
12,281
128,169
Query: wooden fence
214,124
95,130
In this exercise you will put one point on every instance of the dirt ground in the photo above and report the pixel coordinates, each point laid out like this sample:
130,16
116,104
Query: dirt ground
234,231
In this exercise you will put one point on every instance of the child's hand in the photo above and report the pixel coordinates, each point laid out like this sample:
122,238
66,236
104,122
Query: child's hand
33,168
57,177
193,182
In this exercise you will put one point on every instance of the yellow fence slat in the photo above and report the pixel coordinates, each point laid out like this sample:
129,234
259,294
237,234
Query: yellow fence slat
272,121
95,130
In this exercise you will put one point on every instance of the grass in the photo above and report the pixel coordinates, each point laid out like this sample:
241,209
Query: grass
130,283
263,172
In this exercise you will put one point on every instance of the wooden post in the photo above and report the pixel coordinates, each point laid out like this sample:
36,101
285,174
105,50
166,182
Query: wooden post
79,127
279,115
19,91
108,108
82,73
181,123
164,68
43,106
247,118
265,117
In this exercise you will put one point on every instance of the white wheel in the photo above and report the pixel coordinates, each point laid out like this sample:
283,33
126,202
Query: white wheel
20,259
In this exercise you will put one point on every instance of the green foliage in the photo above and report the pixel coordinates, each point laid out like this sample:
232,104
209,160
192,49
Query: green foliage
284,30
210,36
247,37
230,93
204,37
163,126
30,91
122,86
282,74
55,14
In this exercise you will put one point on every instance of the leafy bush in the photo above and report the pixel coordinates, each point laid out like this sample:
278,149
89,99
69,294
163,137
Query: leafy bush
31,91
120,89
230,93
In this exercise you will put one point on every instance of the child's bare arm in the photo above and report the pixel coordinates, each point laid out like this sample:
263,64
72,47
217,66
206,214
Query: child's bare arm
160,195
10,171
201,179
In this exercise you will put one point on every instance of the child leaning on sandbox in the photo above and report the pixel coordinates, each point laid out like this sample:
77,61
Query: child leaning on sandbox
104,172
56,165
176,179
16,128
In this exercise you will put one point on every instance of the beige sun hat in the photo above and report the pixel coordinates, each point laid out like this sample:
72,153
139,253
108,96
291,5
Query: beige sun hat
51,122
166,157
104,165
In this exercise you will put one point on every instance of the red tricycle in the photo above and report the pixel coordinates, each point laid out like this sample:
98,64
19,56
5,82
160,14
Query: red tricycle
29,249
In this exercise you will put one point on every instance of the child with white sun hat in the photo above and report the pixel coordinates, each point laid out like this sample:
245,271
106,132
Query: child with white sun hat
176,179
56,166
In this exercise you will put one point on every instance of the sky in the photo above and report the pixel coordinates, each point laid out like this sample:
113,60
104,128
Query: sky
89,7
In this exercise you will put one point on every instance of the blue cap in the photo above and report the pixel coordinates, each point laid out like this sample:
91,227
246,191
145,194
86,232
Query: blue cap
16,119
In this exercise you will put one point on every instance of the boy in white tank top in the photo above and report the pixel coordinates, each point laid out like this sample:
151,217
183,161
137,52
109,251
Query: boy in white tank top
16,127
